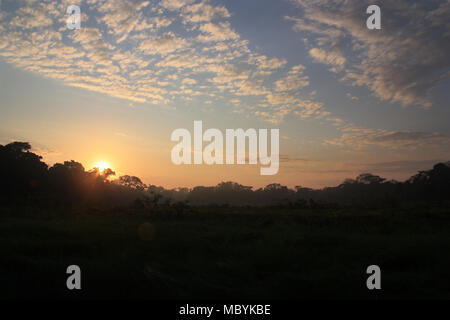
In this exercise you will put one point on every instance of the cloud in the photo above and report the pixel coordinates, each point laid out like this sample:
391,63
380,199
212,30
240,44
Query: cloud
122,16
180,61
294,80
205,59
204,12
392,61
351,97
217,32
402,165
174,4
361,138
264,63
250,88
331,58
29,18
189,81
92,41
226,73
309,108
397,169
163,45
280,98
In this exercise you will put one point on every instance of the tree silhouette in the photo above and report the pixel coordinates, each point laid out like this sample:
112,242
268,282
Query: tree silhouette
22,172
25,177
131,182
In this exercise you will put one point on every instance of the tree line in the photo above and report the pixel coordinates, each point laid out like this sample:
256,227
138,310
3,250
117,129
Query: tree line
26,178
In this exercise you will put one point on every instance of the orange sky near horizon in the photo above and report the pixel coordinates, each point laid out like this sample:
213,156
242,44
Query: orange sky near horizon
346,99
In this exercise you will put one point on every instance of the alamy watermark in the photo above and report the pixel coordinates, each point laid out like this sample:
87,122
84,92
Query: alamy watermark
214,152
74,280
74,19
374,20
374,280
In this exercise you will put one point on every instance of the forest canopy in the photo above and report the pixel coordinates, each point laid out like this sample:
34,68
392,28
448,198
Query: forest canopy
25,177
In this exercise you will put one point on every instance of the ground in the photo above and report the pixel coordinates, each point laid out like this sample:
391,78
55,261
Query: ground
225,252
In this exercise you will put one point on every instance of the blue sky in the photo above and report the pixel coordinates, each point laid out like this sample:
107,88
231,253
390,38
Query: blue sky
346,99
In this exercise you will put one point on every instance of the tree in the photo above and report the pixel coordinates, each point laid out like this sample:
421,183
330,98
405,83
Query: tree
368,178
21,171
107,173
132,182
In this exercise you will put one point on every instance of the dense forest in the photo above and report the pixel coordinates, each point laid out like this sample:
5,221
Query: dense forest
25,178
218,242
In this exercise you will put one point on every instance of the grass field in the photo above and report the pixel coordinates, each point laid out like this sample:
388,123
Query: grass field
220,253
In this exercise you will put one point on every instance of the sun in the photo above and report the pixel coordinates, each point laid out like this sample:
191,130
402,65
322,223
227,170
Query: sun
102,165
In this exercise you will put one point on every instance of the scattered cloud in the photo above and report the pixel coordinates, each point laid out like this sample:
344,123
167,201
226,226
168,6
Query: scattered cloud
217,32
125,49
163,45
392,61
361,138
294,80
204,12
158,53
334,59
174,4
351,97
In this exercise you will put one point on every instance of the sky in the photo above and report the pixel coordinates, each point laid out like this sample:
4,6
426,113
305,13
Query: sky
345,98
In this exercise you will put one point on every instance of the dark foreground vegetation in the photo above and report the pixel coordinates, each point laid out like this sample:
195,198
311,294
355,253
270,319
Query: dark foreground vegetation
226,253
138,241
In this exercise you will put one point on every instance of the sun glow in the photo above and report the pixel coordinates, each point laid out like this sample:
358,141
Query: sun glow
102,165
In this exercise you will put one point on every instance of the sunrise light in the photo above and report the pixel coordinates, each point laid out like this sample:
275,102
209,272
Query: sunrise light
102,165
